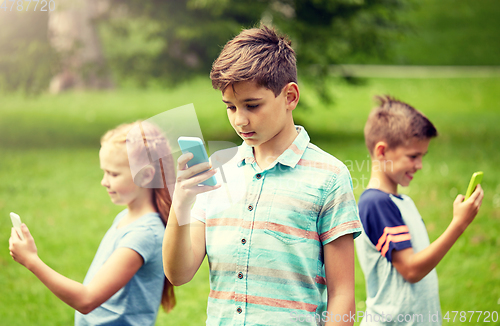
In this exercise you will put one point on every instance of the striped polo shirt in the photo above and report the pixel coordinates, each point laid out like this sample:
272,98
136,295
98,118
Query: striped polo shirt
265,230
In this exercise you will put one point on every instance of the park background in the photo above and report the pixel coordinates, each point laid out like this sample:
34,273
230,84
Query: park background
49,167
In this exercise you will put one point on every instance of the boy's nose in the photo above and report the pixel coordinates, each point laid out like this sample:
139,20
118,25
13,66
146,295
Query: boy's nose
240,119
418,164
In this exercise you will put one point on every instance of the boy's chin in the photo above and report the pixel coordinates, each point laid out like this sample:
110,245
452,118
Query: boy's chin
250,142
404,184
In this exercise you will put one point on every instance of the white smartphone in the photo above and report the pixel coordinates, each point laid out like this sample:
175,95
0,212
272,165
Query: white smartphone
195,145
16,222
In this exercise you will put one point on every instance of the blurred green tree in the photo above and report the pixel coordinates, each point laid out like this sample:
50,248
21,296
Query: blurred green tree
171,41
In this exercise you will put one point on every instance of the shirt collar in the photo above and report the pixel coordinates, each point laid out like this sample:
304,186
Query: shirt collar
289,157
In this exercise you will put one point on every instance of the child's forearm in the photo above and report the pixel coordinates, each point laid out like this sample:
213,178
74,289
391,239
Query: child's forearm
422,263
414,267
183,246
341,310
340,281
181,260
71,292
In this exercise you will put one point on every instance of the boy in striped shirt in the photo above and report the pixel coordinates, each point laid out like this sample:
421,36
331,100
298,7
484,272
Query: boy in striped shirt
279,239
394,251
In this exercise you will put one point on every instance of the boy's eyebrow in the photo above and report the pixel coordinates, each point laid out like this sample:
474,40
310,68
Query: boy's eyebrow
419,153
252,99
245,100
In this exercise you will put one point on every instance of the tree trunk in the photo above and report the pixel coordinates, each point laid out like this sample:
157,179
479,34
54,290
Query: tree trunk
73,35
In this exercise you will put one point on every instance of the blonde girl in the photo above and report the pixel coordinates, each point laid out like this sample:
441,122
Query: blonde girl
125,284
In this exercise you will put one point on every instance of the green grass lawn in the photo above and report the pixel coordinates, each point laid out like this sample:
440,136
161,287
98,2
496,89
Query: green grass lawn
50,176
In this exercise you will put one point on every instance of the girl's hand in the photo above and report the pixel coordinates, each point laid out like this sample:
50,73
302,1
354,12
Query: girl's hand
186,186
23,251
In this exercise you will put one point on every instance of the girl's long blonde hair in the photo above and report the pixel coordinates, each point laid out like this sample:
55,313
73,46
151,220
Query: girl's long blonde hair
147,146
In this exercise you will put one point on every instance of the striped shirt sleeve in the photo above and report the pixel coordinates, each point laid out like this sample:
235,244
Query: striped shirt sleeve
383,223
339,214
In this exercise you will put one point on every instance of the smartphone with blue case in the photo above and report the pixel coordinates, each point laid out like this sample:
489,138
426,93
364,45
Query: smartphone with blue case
195,145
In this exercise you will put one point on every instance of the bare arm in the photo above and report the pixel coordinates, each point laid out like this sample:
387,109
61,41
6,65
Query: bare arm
184,241
339,269
183,249
112,276
415,266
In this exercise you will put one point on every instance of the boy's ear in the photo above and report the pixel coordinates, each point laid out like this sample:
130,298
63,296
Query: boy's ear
145,176
380,150
292,95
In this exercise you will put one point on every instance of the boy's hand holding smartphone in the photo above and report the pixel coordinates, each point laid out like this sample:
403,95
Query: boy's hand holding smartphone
465,208
195,146
194,176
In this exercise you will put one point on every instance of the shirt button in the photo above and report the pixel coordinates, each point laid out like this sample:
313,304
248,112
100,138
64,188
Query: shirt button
258,176
240,275
239,310
243,241
250,207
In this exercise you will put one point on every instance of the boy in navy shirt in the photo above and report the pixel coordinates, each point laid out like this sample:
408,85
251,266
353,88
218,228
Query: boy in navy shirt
394,252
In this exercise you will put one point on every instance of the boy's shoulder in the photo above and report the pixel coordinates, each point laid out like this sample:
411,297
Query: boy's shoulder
375,205
383,221
318,158
373,197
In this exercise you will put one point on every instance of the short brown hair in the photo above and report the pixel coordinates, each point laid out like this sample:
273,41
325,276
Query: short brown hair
257,54
396,123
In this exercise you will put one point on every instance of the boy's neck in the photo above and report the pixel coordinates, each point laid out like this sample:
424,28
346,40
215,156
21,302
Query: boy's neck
266,153
379,180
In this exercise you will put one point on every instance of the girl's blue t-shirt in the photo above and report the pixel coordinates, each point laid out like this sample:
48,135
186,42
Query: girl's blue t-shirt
137,303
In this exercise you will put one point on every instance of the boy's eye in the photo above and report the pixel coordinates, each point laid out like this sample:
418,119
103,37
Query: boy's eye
229,107
252,106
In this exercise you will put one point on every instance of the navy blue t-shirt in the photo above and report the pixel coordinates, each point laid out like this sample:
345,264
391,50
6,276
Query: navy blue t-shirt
383,223
391,223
